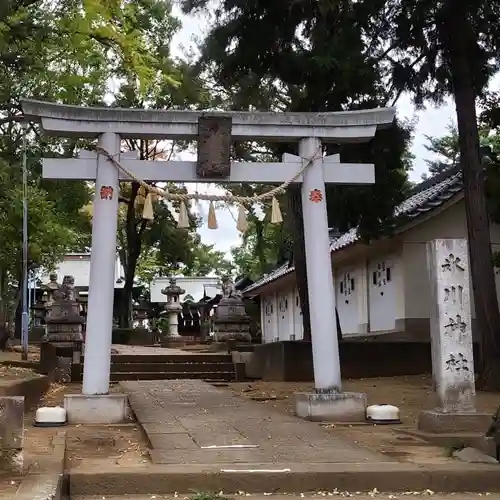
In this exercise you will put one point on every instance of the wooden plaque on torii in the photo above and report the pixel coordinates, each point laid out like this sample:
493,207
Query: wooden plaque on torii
214,145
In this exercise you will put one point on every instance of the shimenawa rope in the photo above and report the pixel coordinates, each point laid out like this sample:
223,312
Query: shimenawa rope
183,197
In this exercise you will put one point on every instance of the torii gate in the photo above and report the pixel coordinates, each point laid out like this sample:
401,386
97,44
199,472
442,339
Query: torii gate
110,125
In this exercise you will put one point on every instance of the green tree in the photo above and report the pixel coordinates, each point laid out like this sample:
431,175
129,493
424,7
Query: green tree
136,235
262,248
434,49
63,51
54,227
205,260
447,149
490,142
308,56
65,28
171,85
264,245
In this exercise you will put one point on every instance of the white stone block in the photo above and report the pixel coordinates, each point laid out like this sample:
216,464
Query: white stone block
331,407
450,316
92,409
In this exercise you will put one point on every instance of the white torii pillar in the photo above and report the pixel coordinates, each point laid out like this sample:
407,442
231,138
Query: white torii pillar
309,128
97,361
321,291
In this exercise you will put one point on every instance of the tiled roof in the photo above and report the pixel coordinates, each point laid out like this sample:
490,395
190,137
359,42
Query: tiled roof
423,198
272,276
280,271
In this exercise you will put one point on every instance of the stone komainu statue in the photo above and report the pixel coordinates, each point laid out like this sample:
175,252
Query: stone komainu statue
52,288
67,291
229,290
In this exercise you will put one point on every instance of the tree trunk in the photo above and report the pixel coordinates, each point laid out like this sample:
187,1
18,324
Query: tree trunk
460,42
132,252
259,245
4,331
134,231
299,254
126,316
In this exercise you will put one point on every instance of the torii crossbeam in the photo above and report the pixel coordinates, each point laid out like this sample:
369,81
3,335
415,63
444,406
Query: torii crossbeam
110,125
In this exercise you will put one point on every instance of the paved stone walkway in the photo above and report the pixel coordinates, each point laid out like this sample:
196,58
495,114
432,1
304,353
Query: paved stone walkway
193,422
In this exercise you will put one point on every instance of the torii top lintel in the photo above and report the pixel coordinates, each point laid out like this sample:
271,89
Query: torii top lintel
77,121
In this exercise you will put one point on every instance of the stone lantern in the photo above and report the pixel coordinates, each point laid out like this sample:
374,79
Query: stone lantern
173,307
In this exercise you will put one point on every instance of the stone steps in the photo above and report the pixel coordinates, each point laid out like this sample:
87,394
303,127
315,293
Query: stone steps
217,367
172,367
224,376
171,358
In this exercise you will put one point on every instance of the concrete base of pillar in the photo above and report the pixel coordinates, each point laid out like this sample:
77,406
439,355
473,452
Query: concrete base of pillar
102,409
331,407
440,422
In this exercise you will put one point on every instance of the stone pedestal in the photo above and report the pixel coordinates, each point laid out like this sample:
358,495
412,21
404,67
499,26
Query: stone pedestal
61,361
331,406
11,433
231,322
61,347
451,341
439,422
173,323
96,409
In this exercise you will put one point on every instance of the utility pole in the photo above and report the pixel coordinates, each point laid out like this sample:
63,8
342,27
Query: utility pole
25,317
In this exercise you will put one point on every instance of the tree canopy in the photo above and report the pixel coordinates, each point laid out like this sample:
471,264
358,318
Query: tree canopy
70,52
434,49
446,149
308,56
318,56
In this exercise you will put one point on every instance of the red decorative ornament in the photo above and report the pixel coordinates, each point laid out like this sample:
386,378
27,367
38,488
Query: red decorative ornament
106,193
316,196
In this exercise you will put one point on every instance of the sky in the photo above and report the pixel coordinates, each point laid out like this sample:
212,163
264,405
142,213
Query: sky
429,122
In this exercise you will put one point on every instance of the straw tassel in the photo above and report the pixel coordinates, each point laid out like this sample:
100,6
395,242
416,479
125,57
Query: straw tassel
242,223
183,216
212,219
147,212
140,197
276,217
